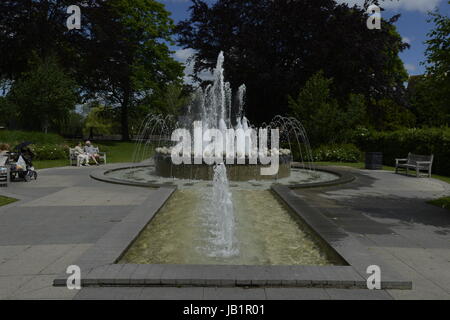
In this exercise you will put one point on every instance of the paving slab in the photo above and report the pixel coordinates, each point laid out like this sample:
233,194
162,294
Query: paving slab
41,287
11,283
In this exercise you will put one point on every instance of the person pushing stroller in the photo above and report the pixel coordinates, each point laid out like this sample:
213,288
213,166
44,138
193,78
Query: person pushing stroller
22,167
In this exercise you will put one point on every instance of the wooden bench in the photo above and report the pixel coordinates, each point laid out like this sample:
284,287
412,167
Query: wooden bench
415,162
102,155
73,157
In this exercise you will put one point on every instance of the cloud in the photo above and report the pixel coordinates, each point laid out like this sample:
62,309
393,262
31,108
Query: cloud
410,67
410,5
407,40
183,55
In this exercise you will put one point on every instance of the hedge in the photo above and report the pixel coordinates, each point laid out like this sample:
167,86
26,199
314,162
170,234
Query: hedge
397,144
46,146
339,153
50,152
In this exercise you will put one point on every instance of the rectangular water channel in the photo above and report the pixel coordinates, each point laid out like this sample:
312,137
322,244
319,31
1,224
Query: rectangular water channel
266,233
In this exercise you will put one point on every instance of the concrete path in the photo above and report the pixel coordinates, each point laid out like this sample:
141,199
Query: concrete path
388,213
65,212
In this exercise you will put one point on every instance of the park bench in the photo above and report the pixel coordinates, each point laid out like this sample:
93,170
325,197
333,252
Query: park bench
415,162
73,157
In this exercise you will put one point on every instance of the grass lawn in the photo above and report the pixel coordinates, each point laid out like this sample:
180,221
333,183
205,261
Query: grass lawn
6,200
360,165
442,202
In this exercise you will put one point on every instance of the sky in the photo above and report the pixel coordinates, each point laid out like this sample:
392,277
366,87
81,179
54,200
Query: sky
412,26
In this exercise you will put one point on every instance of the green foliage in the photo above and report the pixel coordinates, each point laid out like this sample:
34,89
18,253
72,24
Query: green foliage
43,97
274,47
429,95
443,203
397,144
73,125
127,55
6,200
13,138
438,50
324,119
388,115
100,121
46,146
169,100
50,151
427,102
339,153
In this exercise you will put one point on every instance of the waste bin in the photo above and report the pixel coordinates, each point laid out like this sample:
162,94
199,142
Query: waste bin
374,160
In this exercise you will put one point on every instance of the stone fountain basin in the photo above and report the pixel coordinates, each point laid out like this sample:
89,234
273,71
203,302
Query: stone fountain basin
235,172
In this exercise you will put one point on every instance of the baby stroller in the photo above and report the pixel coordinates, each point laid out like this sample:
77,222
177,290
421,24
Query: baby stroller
22,164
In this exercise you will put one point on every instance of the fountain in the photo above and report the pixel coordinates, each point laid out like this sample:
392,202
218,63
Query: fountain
220,222
215,107
222,211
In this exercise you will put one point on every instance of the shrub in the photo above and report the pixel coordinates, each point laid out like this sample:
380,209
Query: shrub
340,153
397,144
50,152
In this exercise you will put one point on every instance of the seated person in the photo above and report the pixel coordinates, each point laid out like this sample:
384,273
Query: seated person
91,151
83,157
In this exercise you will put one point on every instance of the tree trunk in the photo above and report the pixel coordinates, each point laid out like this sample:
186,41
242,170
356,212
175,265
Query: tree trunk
124,118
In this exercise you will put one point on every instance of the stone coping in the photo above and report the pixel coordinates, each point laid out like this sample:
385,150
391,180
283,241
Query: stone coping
101,175
99,265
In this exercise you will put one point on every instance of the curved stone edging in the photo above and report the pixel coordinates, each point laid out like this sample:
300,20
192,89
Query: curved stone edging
100,175
344,177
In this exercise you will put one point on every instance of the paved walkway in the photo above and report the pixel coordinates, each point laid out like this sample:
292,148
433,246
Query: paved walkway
388,213
64,212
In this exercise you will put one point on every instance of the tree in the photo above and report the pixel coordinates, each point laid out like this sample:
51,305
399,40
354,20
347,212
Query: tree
431,94
30,27
126,57
170,100
426,101
120,55
99,121
44,96
274,47
324,119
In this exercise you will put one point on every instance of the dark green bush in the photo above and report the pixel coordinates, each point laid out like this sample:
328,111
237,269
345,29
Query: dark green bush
46,146
339,152
50,152
397,144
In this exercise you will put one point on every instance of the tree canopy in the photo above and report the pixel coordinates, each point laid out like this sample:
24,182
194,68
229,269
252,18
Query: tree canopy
120,55
274,47
126,58
43,97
